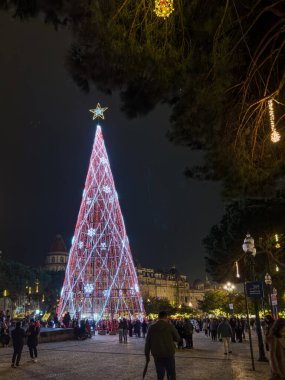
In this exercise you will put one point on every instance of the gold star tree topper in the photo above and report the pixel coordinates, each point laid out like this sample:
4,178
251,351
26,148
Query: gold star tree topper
98,112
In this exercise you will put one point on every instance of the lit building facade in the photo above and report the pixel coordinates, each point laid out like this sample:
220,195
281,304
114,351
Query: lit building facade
175,287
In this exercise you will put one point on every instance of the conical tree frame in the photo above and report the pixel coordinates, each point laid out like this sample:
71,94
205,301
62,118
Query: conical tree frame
100,279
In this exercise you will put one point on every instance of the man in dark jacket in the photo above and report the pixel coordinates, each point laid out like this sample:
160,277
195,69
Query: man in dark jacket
18,335
225,333
160,342
188,333
32,341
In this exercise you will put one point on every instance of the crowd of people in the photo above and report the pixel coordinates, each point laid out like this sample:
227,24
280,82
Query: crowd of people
21,332
85,328
162,336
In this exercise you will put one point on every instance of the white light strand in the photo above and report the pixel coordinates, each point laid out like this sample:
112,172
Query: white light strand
275,135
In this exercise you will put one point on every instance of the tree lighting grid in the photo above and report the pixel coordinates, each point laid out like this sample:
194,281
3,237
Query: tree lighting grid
100,279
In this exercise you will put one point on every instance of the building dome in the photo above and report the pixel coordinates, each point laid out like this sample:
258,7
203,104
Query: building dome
57,258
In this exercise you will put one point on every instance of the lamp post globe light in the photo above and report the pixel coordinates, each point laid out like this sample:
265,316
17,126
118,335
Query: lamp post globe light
267,279
250,253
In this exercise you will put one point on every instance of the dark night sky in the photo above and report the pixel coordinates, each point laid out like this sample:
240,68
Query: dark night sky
45,144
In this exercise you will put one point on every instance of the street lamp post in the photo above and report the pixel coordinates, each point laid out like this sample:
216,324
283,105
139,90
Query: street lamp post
250,251
268,283
230,288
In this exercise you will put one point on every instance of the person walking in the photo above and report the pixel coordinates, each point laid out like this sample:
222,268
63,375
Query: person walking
121,331
160,340
4,334
130,328
233,323
188,333
144,328
125,330
205,326
32,341
225,334
18,335
238,330
137,328
276,340
213,327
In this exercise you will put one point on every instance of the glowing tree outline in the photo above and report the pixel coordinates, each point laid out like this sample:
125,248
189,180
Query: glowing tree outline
100,279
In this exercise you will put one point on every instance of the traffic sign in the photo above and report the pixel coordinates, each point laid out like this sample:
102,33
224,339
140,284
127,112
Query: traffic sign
254,289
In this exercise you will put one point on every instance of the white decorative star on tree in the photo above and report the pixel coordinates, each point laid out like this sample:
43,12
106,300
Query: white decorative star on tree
98,112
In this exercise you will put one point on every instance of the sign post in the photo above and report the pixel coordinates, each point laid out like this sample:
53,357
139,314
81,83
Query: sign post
254,289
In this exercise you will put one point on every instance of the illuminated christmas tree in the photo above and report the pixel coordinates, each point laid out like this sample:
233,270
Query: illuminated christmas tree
100,279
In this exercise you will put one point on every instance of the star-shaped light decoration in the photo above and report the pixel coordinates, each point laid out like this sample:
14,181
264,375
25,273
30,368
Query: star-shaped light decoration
98,112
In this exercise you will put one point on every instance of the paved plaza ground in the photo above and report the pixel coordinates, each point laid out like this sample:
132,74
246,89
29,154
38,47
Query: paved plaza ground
104,358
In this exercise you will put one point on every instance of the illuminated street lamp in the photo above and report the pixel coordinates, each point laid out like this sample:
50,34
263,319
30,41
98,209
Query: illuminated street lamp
230,288
250,251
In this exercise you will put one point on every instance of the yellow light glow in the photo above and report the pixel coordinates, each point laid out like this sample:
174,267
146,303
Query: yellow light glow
275,135
277,245
163,8
237,270
276,237
5,293
277,268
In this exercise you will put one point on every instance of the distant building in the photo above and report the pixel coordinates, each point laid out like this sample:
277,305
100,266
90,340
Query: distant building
173,286
169,285
57,258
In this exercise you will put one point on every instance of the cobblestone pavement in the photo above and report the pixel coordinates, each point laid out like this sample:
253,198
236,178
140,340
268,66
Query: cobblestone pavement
104,358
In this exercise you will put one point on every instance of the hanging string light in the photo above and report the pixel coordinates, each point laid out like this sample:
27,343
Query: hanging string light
277,245
275,135
237,270
163,8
